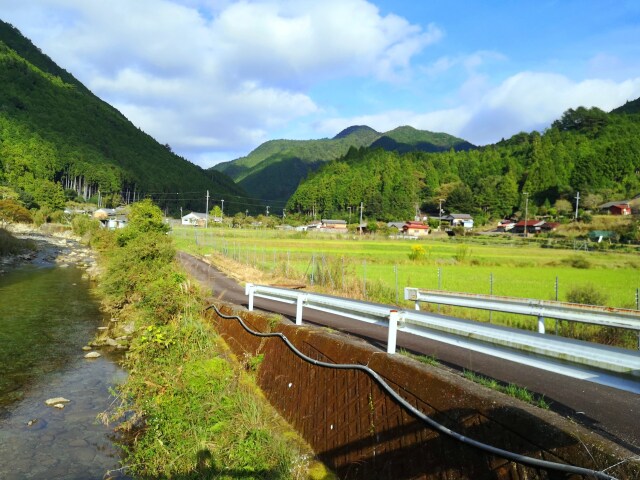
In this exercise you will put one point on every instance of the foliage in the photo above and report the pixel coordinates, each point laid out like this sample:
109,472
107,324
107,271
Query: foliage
587,150
274,170
418,253
12,212
510,389
57,138
10,245
587,294
83,225
185,410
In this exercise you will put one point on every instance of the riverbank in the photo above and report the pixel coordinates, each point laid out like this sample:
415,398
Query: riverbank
49,247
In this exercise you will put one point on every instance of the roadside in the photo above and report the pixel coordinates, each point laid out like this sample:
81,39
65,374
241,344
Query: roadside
603,410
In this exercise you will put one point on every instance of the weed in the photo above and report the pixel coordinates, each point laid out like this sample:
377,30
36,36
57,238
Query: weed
513,390
426,359
587,295
418,253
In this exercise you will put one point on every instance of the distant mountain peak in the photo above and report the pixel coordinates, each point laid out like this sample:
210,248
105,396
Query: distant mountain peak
355,129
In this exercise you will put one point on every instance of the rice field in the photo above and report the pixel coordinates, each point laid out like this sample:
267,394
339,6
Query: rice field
378,269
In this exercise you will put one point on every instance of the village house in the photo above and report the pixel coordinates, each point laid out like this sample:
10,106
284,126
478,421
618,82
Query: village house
417,229
532,226
334,225
110,218
459,220
195,219
620,209
505,225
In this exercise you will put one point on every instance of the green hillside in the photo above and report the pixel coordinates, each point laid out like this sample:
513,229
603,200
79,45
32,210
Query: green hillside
587,151
631,107
408,139
58,140
274,169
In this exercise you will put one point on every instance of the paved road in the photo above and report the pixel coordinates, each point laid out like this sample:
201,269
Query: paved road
607,411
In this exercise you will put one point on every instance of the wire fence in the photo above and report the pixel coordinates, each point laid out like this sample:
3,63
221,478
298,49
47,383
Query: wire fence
384,282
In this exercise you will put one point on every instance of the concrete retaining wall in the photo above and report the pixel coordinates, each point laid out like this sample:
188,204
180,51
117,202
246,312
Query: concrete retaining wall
361,433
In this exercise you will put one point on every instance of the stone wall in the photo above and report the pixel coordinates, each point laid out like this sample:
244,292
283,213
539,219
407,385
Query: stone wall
360,432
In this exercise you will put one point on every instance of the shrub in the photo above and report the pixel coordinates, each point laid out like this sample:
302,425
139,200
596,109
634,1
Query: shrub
577,261
417,253
83,225
587,295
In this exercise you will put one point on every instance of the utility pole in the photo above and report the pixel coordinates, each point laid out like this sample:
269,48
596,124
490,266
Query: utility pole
361,209
267,210
526,211
222,214
440,213
349,214
577,202
206,221
283,214
180,213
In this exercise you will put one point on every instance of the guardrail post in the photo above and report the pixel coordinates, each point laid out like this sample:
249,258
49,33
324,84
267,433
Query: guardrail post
299,303
393,331
540,324
248,290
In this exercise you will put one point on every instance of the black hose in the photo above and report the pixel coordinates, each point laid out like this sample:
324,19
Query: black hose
514,457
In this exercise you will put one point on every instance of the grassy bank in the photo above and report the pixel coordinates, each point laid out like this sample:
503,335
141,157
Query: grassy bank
188,408
10,245
379,269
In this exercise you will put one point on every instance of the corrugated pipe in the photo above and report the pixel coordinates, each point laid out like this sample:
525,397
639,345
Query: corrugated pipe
514,457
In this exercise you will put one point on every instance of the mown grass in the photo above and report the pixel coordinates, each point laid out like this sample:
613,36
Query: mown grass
366,268
188,409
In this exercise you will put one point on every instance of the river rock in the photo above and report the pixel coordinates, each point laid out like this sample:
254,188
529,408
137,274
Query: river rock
86,348
111,342
51,402
92,355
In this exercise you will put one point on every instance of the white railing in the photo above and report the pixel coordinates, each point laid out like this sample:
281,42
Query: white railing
543,351
595,315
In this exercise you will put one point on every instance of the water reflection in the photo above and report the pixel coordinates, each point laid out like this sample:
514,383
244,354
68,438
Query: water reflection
46,316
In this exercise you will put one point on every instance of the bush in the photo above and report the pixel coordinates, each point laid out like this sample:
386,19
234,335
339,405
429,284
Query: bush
417,253
586,295
577,261
83,225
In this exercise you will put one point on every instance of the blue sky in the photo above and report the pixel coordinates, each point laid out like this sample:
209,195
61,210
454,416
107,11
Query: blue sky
216,78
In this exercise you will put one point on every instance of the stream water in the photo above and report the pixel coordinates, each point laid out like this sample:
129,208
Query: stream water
46,315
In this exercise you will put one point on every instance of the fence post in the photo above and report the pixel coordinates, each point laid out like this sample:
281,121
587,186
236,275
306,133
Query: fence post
490,293
299,304
395,269
364,278
541,324
393,331
248,290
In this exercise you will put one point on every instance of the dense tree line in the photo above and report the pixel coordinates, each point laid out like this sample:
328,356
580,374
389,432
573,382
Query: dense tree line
586,151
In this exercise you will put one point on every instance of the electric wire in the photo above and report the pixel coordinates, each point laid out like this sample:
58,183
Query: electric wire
515,457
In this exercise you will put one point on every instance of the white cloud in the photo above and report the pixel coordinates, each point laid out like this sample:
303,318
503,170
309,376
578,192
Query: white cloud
523,102
213,75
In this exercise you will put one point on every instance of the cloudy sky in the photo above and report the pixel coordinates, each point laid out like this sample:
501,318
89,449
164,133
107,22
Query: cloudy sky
215,78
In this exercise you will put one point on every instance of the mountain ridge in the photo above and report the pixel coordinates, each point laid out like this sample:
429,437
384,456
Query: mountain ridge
260,171
57,137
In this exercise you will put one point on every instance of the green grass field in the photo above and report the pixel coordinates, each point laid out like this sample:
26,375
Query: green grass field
364,267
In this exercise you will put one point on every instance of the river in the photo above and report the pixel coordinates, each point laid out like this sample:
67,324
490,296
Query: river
47,314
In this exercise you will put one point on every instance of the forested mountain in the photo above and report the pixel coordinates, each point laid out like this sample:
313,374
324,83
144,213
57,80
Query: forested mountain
587,151
58,140
274,169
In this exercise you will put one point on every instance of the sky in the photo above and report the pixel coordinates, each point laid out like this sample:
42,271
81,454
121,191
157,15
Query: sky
216,78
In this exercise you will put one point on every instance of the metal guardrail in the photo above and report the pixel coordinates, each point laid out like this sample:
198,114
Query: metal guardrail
511,344
512,456
604,316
